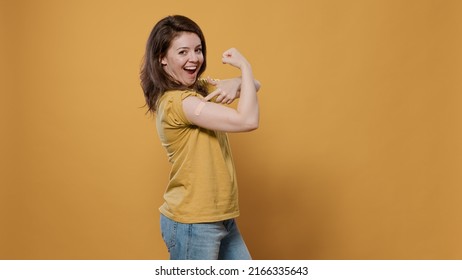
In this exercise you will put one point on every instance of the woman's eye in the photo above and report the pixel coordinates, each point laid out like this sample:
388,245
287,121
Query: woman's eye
199,51
182,52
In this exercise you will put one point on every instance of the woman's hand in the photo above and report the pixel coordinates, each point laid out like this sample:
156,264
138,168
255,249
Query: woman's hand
235,58
228,90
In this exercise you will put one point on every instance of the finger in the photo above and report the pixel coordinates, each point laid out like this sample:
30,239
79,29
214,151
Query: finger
225,100
211,81
226,56
221,97
227,53
213,94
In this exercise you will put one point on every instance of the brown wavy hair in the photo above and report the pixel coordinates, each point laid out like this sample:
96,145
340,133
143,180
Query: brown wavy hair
154,80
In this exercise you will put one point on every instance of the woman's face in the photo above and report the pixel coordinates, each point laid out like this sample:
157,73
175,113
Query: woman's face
184,58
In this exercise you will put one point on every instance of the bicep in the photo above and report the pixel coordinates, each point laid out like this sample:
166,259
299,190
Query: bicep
213,116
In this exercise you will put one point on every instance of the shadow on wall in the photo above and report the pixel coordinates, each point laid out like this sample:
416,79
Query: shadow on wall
284,214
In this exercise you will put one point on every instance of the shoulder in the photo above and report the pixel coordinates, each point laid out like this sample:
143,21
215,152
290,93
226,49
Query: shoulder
174,97
170,106
177,95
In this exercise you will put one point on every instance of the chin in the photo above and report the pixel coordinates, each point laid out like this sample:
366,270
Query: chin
191,83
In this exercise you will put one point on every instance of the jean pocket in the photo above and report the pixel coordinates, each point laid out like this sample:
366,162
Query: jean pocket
168,229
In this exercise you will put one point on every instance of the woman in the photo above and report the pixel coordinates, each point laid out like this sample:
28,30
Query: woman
201,199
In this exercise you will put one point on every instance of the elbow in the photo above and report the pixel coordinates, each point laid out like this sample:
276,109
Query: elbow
254,126
246,123
257,85
250,126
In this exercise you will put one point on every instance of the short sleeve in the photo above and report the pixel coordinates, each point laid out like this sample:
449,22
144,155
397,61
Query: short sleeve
173,110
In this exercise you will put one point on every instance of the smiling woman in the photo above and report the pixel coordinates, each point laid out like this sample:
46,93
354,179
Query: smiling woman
184,58
201,199
156,76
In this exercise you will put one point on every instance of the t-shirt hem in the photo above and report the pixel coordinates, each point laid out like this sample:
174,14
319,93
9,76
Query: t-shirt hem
196,220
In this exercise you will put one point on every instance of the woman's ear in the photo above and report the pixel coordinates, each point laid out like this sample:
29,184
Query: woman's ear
163,62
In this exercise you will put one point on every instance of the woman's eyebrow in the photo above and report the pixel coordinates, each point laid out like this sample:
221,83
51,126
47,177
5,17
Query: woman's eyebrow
198,46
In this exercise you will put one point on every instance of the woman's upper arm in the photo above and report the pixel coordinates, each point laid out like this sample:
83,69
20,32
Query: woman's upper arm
214,116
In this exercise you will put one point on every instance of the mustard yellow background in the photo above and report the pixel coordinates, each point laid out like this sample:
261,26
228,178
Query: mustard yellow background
358,156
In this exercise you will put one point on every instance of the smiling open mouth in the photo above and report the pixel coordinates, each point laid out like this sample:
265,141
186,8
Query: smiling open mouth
191,69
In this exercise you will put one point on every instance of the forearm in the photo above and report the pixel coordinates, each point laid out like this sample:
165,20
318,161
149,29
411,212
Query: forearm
256,83
248,106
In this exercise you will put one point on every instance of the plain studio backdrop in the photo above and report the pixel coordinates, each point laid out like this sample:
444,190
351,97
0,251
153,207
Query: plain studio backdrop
358,155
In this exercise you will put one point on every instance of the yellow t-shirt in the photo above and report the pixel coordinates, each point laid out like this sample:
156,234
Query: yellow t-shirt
202,186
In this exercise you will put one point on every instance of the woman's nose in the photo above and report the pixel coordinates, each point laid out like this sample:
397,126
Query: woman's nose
193,56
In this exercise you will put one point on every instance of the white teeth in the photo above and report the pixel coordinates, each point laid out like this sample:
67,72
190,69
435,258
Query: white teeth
190,68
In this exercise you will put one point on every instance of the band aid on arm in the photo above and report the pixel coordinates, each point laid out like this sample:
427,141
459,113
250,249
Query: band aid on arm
199,108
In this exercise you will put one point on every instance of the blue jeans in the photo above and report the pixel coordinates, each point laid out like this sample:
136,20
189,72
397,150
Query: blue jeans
203,241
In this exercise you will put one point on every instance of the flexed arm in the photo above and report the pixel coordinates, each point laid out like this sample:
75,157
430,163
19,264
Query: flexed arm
218,117
230,89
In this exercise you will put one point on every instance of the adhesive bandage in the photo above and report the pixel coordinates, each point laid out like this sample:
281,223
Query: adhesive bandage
199,108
